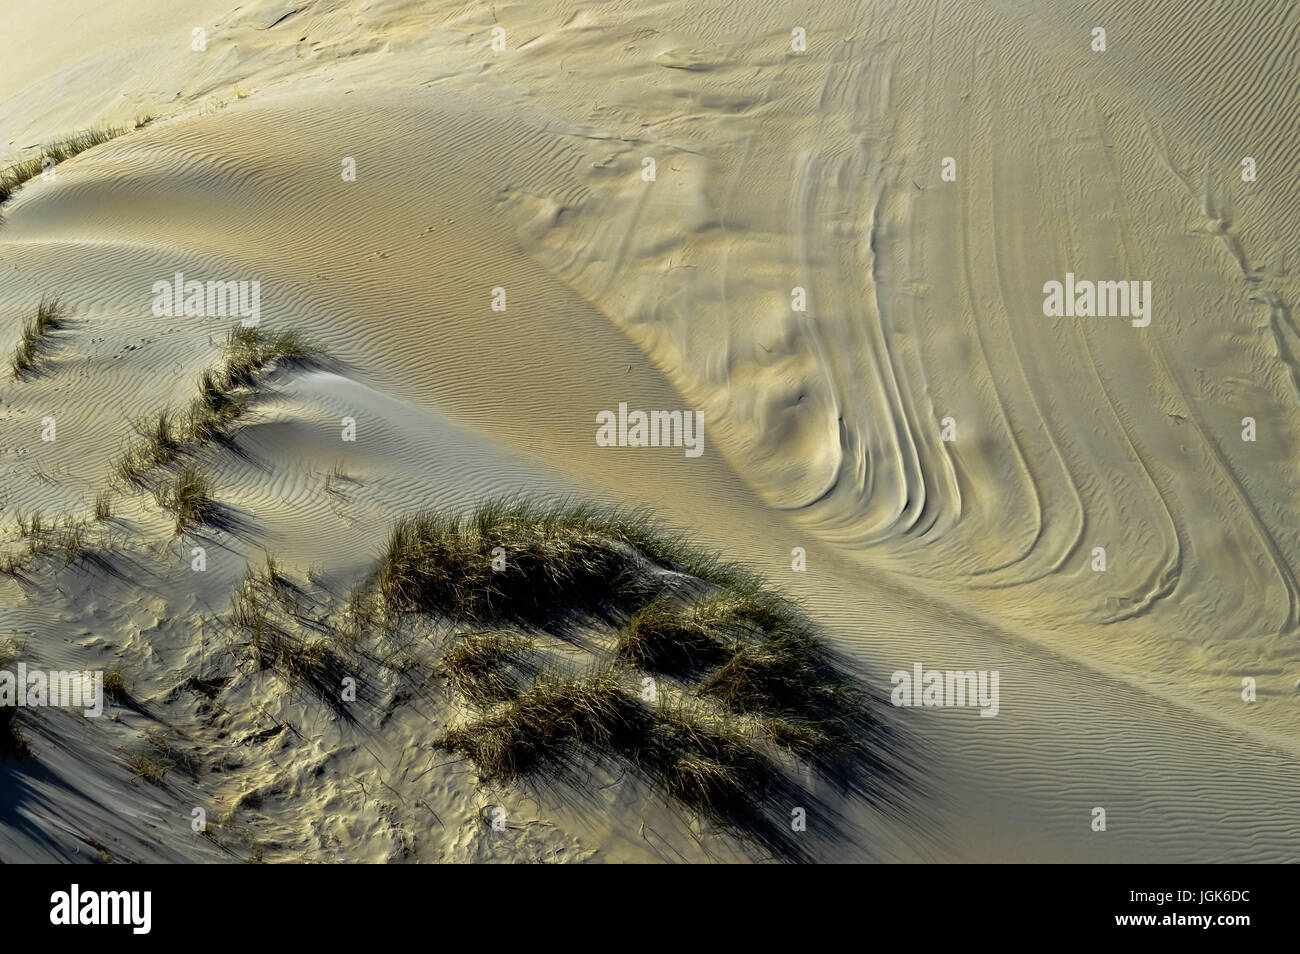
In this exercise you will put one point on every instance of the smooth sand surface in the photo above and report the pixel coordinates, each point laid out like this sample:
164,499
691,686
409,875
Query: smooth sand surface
774,169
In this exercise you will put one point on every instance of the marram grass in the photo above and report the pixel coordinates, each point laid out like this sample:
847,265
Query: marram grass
15,175
34,341
753,684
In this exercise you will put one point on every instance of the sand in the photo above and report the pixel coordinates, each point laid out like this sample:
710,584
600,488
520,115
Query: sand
774,170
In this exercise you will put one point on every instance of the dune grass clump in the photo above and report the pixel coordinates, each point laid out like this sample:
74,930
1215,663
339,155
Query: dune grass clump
779,664
550,726
274,574
132,465
249,615
477,665
783,673
305,661
687,615
51,315
663,637
755,654
747,688
115,686
34,530
189,496
14,176
514,562
210,416
159,438
148,766
314,662
71,541
222,399
65,536
713,769
249,350
155,756
804,739
557,724
158,443
212,396
747,693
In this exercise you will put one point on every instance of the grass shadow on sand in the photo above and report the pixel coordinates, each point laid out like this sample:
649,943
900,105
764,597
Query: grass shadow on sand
747,701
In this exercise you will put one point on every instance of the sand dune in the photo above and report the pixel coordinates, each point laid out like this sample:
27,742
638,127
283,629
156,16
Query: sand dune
865,340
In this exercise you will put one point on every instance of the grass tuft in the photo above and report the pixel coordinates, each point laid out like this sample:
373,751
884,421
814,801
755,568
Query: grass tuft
249,350
71,542
664,637
14,176
714,770
147,766
556,724
50,316
221,400
313,662
476,666
549,725
189,496
115,686
515,562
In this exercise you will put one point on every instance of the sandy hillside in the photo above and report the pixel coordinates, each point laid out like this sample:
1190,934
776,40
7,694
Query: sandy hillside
524,169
